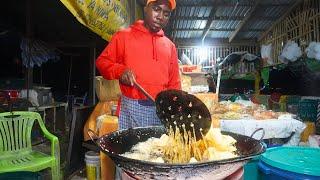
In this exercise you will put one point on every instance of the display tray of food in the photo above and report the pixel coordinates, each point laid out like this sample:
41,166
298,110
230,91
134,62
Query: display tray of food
155,153
245,110
244,117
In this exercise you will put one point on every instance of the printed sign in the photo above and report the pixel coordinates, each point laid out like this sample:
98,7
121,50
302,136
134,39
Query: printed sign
103,17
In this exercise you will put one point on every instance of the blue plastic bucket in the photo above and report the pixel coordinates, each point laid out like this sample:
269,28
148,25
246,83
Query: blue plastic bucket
251,169
290,163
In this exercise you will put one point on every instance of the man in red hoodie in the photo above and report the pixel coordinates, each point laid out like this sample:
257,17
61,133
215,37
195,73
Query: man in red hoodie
142,53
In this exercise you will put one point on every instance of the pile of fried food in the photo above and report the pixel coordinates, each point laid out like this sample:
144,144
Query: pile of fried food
173,148
233,111
243,109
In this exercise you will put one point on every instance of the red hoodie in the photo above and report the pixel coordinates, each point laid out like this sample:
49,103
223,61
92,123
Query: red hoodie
151,56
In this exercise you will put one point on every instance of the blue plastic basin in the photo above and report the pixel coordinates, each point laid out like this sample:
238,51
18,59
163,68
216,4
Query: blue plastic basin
290,163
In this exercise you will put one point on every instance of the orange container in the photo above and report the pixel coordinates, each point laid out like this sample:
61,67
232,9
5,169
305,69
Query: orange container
100,109
107,125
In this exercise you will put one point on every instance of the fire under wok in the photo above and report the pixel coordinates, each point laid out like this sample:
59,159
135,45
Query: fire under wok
119,142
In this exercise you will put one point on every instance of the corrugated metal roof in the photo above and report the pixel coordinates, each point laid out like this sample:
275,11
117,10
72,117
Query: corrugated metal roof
188,34
233,11
272,11
190,24
249,34
219,34
275,2
191,17
193,11
225,24
259,24
193,2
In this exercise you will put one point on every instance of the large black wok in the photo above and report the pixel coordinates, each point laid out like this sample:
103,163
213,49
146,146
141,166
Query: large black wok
122,141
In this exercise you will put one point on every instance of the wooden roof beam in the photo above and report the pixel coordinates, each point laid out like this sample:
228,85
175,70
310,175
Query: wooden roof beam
280,19
244,21
209,23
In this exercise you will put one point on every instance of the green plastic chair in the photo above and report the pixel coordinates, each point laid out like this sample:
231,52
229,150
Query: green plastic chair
16,152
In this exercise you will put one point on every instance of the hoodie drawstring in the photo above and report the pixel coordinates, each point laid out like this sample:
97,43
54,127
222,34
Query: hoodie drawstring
154,43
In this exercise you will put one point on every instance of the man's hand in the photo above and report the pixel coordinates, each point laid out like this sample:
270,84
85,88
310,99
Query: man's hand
127,77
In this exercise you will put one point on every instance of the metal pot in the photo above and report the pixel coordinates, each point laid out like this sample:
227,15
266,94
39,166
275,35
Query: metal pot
122,141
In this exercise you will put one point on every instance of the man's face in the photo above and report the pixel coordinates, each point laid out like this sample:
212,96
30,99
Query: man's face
157,15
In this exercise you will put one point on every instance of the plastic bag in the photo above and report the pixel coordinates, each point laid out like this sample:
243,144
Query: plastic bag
185,59
107,90
313,50
266,53
291,52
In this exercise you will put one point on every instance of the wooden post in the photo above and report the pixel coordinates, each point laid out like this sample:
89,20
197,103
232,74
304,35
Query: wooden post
92,84
257,82
29,34
70,75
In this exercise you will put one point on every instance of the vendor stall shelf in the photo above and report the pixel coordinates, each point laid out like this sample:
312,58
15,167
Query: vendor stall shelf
52,113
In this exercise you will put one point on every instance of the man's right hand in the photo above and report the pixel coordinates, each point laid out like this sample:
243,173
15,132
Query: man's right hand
127,77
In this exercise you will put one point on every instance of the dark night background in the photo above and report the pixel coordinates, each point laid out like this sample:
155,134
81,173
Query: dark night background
52,23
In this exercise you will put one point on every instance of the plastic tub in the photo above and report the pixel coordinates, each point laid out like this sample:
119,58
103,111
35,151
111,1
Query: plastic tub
290,163
92,160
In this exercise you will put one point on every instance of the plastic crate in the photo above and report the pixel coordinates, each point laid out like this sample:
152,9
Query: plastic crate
292,104
308,110
293,99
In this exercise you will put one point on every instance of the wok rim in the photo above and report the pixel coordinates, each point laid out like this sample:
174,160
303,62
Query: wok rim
180,165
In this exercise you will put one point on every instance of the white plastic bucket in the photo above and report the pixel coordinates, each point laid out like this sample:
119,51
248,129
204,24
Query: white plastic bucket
92,160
